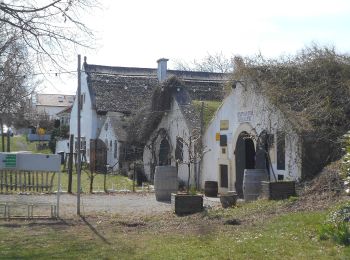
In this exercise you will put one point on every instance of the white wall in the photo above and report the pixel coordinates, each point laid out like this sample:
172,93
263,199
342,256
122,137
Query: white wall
258,115
62,146
90,123
107,133
175,125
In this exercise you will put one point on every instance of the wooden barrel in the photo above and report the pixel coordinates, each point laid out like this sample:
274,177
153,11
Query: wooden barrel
252,179
211,188
165,182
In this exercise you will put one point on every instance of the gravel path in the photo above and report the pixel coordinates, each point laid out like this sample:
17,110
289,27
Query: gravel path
123,204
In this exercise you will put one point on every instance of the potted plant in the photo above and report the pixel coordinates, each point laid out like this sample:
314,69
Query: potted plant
190,201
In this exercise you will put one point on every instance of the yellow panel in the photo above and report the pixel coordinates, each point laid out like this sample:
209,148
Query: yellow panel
217,137
224,124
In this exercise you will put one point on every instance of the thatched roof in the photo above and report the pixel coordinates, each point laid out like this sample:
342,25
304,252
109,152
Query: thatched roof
147,119
124,89
119,125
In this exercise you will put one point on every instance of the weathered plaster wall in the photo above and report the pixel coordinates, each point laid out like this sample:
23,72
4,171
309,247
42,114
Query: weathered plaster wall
108,135
90,123
251,112
175,125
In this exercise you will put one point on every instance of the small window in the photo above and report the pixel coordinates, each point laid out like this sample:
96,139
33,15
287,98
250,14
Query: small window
115,149
110,145
223,150
223,140
281,151
179,149
223,175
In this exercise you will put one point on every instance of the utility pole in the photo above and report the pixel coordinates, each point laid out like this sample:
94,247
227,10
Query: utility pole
78,141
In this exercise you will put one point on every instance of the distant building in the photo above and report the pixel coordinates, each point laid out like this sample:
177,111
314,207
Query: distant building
51,104
64,116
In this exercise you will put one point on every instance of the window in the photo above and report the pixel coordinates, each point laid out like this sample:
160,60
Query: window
281,151
82,143
223,140
110,145
82,100
115,149
179,154
223,175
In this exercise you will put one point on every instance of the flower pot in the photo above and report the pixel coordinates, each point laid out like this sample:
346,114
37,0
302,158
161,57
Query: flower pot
228,200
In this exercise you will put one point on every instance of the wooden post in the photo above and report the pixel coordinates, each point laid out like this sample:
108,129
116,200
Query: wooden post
7,187
133,180
1,180
37,181
70,163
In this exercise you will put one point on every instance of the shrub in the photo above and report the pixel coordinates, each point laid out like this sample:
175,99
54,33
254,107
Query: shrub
345,170
337,226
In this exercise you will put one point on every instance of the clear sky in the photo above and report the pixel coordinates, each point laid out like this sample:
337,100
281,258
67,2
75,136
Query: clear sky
136,33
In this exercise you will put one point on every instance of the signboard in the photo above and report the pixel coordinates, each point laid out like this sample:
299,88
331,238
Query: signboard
245,116
10,161
224,124
217,136
30,162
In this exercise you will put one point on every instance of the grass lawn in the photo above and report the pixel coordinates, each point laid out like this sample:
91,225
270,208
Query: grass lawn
116,182
263,233
20,143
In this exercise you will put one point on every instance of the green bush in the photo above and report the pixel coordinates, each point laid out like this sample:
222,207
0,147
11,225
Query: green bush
345,169
337,226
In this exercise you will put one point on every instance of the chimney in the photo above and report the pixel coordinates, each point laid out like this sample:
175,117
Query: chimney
162,68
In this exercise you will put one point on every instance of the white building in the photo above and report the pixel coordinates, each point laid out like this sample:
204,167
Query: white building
113,134
125,90
169,143
245,126
51,104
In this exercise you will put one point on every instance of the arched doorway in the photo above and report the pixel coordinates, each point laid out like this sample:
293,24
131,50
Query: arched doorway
164,152
244,159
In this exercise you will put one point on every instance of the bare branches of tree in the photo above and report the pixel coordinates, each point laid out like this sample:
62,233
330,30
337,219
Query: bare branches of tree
211,63
49,28
15,75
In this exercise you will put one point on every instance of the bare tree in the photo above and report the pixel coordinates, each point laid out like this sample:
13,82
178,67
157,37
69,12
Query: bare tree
211,63
15,75
47,27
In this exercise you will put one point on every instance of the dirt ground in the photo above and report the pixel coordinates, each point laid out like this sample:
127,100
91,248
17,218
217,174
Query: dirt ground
122,204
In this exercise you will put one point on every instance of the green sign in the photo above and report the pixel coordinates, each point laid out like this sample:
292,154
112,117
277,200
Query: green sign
10,161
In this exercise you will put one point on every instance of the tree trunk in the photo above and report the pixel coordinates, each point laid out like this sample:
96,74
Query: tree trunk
2,136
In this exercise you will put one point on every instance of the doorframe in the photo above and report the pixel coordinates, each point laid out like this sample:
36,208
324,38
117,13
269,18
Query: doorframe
244,127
